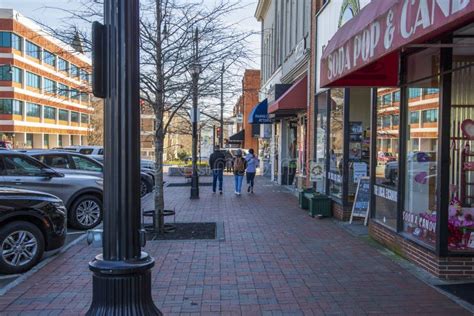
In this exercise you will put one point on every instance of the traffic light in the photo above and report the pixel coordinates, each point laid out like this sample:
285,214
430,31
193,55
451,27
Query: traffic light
218,132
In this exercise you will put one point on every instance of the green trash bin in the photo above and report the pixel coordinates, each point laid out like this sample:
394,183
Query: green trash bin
320,205
303,200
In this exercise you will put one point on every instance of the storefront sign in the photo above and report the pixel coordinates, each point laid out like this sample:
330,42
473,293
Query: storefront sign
360,208
360,171
316,173
385,26
420,220
386,193
335,177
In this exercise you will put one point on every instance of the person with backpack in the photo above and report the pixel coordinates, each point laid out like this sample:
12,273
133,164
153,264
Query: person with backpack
251,170
217,164
239,171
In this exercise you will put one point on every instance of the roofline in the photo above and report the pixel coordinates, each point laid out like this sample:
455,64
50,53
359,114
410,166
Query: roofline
29,23
262,7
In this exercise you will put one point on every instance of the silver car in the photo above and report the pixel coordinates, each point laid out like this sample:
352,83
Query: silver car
82,194
71,162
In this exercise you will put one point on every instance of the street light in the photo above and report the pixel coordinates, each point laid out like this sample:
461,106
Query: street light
195,71
121,281
221,136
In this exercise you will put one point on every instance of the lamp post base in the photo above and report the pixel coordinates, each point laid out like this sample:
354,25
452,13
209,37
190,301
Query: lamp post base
122,287
194,187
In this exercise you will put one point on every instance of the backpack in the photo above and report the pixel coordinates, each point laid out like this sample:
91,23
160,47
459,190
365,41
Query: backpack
239,165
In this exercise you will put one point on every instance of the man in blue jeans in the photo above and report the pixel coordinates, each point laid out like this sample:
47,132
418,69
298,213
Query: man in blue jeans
217,164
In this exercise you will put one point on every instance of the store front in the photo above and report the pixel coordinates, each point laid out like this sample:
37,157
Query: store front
288,144
261,122
418,59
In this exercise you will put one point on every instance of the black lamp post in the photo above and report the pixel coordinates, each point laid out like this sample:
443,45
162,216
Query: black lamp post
221,136
195,70
122,273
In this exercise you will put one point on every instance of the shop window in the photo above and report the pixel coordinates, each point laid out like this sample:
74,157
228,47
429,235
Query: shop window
33,50
46,140
429,116
386,169
420,198
414,117
336,143
461,179
321,142
29,140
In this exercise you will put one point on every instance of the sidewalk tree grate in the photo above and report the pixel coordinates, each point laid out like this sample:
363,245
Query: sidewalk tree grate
464,291
188,184
187,231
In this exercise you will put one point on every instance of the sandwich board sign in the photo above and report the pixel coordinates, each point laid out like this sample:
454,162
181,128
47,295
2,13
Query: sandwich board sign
360,208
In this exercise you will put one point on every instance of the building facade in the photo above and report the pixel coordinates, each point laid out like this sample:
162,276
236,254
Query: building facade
393,104
284,85
44,87
246,134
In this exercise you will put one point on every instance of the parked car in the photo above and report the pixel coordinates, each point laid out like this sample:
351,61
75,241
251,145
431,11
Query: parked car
71,162
428,159
86,150
30,224
82,194
384,157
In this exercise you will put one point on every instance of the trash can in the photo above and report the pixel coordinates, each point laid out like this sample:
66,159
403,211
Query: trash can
320,205
303,200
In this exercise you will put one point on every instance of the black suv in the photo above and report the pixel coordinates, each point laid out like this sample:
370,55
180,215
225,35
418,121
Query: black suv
30,223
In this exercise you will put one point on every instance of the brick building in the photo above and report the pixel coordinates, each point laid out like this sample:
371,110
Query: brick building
246,134
44,87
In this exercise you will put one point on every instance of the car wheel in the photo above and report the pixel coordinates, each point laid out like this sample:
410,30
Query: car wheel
86,212
22,246
145,188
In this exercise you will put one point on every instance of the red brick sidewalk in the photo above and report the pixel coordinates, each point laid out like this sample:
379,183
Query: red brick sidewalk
275,260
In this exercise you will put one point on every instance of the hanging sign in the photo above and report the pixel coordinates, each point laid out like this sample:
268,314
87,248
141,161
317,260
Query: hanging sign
360,208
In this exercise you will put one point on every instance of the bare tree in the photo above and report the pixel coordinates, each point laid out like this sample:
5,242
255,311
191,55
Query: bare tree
166,35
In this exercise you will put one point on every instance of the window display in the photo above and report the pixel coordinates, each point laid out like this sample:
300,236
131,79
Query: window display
386,169
321,137
336,143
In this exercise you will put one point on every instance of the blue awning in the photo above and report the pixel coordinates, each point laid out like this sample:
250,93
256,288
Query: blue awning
259,114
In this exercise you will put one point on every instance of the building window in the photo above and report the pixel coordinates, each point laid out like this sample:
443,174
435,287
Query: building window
75,117
336,143
10,40
414,117
46,140
49,58
428,91
63,90
29,140
49,113
429,116
33,50
84,118
17,42
50,86
33,110
395,119
85,97
63,115
396,96
84,75
386,121
33,80
75,94
10,73
74,71
60,140
387,99
9,106
414,93
63,65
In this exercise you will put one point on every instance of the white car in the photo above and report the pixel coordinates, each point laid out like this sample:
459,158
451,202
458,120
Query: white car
86,150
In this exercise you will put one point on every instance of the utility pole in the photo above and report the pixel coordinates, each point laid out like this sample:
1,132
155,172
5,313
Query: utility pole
195,70
221,136
121,281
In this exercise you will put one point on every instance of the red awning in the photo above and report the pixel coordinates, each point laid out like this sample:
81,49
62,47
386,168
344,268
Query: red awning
293,100
364,51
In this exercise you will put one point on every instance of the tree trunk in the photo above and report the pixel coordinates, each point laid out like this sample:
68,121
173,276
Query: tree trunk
159,190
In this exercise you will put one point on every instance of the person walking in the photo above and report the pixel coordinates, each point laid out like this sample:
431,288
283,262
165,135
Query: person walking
217,164
251,170
239,171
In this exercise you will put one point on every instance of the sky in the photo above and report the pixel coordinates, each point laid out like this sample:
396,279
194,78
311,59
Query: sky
38,10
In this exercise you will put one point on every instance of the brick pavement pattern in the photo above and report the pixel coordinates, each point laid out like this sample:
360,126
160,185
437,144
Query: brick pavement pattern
275,260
